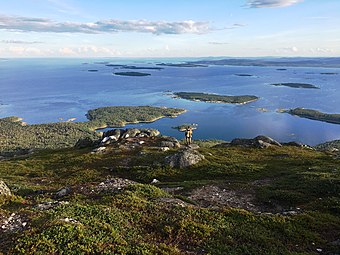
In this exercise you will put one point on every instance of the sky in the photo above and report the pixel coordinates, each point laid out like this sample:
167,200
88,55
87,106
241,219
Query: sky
169,28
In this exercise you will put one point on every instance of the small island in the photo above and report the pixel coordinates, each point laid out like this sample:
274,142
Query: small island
329,73
132,74
315,115
244,75
296,85
142,68
213,98
114,65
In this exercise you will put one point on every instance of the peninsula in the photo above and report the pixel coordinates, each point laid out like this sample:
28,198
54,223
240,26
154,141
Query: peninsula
16,136
315,115
332,62
214,98
182,65
296,85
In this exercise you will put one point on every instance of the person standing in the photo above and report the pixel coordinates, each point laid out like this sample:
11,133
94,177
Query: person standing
188,135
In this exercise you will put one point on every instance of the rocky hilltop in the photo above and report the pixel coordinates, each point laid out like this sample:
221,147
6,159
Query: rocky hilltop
135,191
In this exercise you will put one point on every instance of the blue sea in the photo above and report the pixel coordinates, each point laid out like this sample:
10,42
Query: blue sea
52,90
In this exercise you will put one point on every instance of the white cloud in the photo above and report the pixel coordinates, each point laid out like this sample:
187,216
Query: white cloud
67,51
271,3
321,50
95,51
287,50
17,50
218,43
19,42
27,24
24,51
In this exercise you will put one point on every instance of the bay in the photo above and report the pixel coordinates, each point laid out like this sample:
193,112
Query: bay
51,90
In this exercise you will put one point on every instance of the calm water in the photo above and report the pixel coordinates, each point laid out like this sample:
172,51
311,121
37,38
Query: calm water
44,90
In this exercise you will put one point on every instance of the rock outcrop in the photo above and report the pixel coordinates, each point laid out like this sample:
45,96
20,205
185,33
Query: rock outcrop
4,190
331,146
184,158
85,143
260,141
115,135
170,142
113,185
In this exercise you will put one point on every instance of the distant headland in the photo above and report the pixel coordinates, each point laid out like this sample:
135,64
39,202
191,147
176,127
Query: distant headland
279,62
315,115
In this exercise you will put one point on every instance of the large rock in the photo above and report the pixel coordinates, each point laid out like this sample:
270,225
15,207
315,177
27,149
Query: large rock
267,139
294,144
170,142
4,190
85,143
151,132
184,159
112,132
131,132
331,146
117,134
260,141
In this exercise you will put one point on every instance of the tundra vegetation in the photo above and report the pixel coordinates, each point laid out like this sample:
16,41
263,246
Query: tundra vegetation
294,191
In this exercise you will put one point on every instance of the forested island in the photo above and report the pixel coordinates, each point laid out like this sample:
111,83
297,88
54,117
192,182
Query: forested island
244,75
296,85
315,115
16,136
213,98
132,74
142,68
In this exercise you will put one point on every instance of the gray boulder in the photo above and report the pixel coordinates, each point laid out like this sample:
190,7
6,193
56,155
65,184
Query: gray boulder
63,192
4,190
184,158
